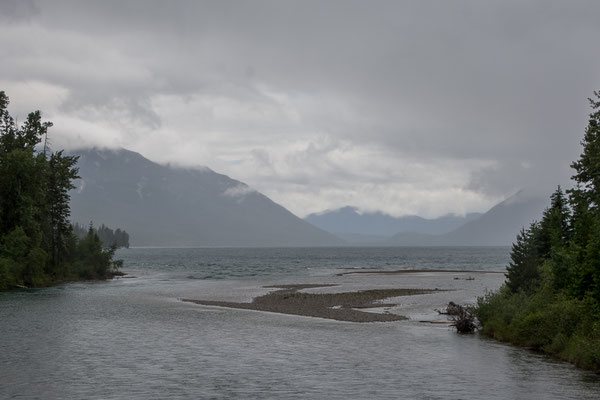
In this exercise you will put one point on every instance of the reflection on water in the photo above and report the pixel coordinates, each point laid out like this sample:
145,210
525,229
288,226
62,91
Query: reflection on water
132,338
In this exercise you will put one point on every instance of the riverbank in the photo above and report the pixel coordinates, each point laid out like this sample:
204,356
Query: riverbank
567,329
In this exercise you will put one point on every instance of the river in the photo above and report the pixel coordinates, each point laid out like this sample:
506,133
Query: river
134,338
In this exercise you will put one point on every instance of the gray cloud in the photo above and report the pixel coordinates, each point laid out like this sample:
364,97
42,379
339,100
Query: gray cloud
426,107
17,10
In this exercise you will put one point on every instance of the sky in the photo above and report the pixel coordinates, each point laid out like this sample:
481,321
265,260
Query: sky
405,107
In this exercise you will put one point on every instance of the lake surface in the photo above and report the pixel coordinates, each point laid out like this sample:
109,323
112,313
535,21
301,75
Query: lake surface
135,339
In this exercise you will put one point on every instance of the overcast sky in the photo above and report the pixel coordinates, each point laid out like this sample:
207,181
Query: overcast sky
416,107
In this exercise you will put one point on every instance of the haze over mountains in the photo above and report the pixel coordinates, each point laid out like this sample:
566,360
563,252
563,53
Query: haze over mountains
165,206
497,227
350,220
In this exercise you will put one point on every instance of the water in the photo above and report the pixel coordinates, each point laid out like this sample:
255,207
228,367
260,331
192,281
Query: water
134,338
223,263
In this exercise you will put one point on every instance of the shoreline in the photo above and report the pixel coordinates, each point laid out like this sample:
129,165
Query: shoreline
113,275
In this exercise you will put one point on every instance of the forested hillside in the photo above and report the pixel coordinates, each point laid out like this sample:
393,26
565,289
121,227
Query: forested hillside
37,244
551,299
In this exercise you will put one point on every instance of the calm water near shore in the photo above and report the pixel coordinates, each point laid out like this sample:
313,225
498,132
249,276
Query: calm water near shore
134,338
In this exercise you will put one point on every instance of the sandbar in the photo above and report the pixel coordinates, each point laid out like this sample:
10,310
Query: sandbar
337,306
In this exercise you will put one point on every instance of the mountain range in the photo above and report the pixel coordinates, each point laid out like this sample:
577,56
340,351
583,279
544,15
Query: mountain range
162,205
497,227
182,207
349,220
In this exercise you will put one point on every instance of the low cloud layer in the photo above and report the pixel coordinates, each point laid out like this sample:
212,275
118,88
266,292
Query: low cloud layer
419,108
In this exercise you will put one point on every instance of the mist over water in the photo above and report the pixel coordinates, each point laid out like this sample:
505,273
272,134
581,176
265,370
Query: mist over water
134,338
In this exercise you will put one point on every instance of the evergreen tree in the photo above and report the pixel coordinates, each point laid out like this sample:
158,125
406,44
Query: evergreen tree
93,260
21,194
585,200
588,166
581,219
108,237
37,246
554,227
523,271
61,173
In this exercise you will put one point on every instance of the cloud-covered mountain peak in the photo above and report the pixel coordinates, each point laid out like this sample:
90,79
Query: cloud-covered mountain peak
173,206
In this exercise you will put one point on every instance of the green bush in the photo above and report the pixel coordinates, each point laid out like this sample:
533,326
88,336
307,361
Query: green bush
583,349
496,311
565,327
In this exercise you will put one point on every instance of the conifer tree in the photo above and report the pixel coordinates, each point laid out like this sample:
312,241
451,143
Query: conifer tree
554,227
585,200
61,172
588,166
523,270
37,246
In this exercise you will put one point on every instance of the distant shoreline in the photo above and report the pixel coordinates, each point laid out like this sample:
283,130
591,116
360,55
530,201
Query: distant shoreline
416,271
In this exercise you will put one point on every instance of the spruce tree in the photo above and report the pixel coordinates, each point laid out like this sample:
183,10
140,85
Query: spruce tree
554,227
523,271
585,201
588,166
61,172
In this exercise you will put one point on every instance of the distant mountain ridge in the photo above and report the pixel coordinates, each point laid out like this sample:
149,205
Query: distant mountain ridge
349,220
166,206
497,227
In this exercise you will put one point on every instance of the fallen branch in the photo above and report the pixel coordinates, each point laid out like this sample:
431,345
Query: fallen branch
462,318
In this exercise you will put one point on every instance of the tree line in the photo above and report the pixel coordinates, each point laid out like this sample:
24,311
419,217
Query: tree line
108,237
551,298
37,244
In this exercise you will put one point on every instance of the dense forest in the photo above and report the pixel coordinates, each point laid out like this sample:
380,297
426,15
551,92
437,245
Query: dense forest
37,244
108,237
551,298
